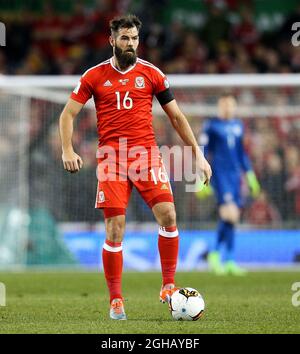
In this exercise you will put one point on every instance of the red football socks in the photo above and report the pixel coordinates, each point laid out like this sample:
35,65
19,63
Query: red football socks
168,242
112,257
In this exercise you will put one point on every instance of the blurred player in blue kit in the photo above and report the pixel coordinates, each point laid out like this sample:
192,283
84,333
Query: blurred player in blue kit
222,138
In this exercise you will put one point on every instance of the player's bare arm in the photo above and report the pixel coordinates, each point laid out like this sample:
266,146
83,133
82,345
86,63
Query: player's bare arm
184,130
72,162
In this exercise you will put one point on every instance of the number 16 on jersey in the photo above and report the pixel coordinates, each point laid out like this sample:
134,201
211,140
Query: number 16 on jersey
126,103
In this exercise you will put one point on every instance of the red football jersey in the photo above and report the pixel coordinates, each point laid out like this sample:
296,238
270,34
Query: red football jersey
123,101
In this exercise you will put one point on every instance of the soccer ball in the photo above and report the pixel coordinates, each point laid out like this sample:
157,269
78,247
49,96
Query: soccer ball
186,304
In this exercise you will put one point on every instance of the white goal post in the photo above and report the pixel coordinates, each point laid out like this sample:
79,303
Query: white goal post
58,88
176,80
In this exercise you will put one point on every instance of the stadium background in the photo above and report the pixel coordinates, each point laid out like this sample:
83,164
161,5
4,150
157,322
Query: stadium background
47,216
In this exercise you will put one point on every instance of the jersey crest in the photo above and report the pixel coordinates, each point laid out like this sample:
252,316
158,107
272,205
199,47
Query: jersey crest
139,82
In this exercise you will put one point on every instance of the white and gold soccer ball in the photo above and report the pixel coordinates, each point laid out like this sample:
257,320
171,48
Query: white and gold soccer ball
186,304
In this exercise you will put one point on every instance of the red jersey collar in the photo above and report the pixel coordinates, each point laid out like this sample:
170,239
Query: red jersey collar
119,71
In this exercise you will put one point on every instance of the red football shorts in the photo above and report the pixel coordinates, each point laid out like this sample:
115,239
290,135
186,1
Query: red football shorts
116,179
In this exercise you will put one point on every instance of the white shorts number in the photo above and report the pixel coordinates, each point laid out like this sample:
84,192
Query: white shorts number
162,176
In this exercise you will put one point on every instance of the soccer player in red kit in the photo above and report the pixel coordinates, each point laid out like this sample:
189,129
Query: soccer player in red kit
123,88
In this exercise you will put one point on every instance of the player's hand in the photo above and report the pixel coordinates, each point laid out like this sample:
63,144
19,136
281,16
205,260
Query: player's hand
72,162
253,184
204,167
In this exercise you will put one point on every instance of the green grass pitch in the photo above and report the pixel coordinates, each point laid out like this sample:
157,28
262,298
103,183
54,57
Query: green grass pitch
76,302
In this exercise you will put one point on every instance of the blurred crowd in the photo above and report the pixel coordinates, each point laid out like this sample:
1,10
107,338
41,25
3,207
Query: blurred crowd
69,43
224,39
272,142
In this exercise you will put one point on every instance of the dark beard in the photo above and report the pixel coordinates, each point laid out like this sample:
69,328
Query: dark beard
125,59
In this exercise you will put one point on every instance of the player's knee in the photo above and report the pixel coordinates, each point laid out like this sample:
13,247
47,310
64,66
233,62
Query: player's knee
168,217
115,228
230,213
115,234
232,218
236,217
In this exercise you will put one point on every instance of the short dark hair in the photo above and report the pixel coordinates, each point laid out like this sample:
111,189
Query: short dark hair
127,21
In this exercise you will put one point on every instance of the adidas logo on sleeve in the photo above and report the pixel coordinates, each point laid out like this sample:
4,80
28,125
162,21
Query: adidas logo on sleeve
107,83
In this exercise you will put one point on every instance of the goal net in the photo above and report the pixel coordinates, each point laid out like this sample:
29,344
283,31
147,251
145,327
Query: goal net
42,206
